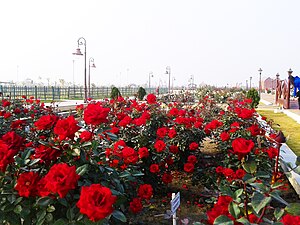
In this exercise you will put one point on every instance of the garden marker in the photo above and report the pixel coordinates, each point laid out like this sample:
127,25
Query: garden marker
175,203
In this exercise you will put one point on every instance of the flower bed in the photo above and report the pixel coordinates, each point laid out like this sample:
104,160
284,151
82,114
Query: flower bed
109,162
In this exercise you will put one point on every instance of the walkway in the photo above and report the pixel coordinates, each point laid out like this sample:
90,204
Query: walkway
268,102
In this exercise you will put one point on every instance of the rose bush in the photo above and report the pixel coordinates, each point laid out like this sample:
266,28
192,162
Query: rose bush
108,161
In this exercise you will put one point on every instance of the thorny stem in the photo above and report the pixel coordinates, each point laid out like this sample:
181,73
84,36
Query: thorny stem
262,214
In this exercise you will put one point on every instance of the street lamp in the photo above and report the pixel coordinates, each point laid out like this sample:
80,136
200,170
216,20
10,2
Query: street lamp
82,41
173,79
168,71
250,82
150,75
259,87
91,60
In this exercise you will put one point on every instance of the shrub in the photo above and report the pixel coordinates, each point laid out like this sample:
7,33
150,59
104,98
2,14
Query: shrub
115,93
253,94
141,93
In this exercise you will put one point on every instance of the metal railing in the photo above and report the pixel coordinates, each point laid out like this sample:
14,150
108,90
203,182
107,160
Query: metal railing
72,92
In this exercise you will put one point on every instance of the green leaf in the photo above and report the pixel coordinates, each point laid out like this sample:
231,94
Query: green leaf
276,196
11,198
70,214
262,174
298,161
223,220
237,193
18,209
81,170
60,222
225,190
50,208
41,217
234,210
293,209
250,166
259,201
32,162
119,216
112,136
278,213
276,185
244,221
260,186
44,201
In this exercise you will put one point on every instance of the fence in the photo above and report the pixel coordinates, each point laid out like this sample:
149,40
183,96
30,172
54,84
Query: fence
74,92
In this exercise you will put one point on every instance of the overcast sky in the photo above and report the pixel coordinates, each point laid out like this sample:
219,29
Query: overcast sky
219,42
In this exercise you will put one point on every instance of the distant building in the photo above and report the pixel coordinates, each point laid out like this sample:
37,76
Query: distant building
269,84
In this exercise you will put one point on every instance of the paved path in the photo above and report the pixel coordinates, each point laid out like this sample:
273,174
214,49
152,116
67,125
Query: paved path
268,102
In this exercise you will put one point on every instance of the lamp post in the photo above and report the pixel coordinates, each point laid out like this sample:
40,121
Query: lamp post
168,71
173,79
250,82
259,87
91,60
150,75
82,41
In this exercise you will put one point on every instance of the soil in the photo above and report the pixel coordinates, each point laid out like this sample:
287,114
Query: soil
194,200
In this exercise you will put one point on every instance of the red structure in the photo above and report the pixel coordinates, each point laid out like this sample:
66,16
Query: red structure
282,95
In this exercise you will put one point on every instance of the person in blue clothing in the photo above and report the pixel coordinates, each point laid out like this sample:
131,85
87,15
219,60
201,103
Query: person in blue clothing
298,95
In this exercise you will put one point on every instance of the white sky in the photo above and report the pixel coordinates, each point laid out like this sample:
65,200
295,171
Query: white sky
218,41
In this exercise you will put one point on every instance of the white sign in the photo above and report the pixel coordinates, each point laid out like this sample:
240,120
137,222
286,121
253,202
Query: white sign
175,203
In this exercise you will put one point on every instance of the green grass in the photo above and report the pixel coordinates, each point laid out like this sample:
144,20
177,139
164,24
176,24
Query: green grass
289,127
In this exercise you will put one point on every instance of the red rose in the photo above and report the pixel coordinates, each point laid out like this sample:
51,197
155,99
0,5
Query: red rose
228,172
151,99
46,153
242,147
189,167
145,191
27,184
245,113
129,155
41,189
192,159
135,205
172,133
254,130
162,132
86,136
290,220
13,140
5,103
272,152
125,121
94,114
46,122
224,136
96,202
167,178
61,178
193,146
154,168
7,115
240,173
173,149
143,152
219,169
159,146
173,112
66,128
6,155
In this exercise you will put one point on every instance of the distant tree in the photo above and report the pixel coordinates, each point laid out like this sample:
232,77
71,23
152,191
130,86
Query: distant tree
141,93
254,95
115,93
